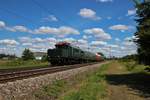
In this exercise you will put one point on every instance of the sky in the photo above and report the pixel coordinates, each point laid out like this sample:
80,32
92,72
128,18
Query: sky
105,26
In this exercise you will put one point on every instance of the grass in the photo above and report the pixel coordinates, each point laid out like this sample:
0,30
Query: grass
85,86
18,63
91,85
51,91
132,66
92,88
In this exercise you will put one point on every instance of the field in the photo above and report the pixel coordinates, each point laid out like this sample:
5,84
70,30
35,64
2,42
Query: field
18,63
118,79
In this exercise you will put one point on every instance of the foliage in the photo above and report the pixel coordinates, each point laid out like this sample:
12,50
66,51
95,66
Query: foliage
130,65
45,58
133,66
55,88
19,63
143,32
8,56
51,91
27,55
92,88
89,85
130,57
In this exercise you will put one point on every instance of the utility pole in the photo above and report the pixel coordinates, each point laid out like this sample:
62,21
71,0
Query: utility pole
110,52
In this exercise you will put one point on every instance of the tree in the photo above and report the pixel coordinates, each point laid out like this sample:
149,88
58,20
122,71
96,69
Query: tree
143,32
27,55
45,58
8,56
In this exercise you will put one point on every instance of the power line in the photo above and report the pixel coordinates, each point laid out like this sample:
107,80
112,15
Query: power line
48,11
20,16
29,20
17,15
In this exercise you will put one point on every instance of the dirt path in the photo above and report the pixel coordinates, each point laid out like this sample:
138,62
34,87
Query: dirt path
119,87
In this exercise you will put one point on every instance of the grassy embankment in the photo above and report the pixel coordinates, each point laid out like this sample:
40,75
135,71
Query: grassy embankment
89,85
85,86
132,66
5,64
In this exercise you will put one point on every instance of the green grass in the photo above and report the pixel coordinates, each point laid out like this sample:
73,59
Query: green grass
92,88
5,64
90,85
84,86
51,91
133,66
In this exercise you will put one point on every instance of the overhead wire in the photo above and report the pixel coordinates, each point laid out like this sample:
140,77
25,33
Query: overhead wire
49,12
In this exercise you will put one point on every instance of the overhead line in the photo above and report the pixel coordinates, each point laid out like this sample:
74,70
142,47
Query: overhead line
17,15
48,11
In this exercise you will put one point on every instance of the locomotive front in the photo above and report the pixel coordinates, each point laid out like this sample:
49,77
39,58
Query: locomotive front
56,55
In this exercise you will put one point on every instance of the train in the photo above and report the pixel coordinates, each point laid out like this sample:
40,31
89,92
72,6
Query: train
66,54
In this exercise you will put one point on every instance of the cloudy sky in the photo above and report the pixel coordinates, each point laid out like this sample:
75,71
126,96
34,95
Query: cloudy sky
96,25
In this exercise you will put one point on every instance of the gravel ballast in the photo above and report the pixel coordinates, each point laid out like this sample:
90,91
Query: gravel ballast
22,88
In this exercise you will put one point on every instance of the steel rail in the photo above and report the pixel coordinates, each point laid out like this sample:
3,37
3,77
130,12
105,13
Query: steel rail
17,75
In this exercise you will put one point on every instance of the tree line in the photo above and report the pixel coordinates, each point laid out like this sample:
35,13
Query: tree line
143,32
27,54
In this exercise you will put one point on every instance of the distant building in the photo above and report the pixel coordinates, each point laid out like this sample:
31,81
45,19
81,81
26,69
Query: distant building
39,55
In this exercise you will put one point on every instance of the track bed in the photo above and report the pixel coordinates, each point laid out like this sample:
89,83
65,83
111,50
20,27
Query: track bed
16,74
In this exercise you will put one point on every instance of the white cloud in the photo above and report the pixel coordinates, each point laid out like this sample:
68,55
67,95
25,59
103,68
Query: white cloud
38,44
113,46
85,37
37,40
25,39
81,41
88,13
50,18
98,33
2,24
27,44
130,38
131,12
104,0
119,27
129,43
46,29
70,40
61,31
18,28
109,17
8,42
50,40
117,39
67,30
98,43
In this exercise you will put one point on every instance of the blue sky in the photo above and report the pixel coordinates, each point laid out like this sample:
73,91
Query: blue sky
101,25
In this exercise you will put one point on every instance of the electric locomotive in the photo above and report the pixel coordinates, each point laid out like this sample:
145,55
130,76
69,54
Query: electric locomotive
64,53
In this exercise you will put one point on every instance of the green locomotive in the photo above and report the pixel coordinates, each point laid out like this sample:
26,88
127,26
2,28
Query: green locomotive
64,53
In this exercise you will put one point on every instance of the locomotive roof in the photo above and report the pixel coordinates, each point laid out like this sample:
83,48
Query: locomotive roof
62,44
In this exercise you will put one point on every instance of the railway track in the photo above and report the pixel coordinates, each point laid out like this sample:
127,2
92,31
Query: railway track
21,74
